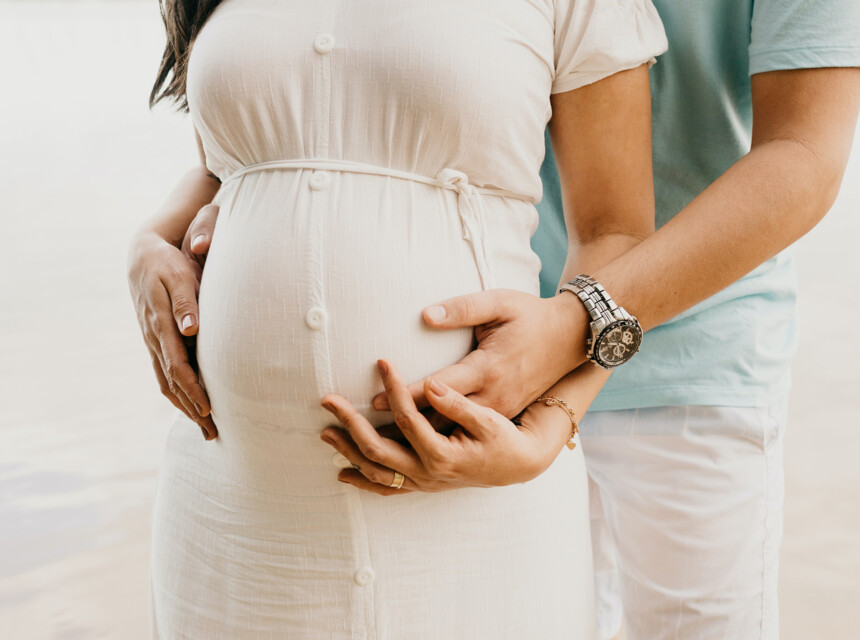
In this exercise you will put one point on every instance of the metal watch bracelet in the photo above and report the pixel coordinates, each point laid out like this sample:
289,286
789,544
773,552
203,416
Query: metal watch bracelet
598,303
615,334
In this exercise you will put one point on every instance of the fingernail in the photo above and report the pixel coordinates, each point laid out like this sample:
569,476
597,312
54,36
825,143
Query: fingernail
205,435
437,387
380,403
187,322
436,313
383,367
326,438
196,240
199,408
328,406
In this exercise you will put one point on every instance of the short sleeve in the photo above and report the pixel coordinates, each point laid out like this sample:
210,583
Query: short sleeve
596,38
804,34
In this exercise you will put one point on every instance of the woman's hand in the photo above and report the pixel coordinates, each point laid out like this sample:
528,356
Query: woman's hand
164,283
483,450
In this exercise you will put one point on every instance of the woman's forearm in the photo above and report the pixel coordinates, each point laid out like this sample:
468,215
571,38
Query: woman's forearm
196,189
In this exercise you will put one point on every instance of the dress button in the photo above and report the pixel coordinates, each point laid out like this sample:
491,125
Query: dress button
319,180
316,318
364,576
324,43
340,461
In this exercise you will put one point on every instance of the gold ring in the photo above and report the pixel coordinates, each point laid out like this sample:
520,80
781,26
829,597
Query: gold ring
398,480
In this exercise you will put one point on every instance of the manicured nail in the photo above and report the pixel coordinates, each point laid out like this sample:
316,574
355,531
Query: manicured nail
196,240
187,322
437,387
383,367
436,313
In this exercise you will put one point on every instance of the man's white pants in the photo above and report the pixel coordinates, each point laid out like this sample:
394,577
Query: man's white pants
686,521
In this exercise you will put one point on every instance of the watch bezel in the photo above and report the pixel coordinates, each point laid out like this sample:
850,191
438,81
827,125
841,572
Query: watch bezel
633,324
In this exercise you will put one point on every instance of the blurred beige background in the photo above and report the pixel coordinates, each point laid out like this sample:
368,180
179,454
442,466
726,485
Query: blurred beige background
82,425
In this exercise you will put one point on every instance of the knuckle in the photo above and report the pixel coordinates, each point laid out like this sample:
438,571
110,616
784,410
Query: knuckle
405,419
156,328
465,307
457,403
182,305
371,450
172,387
374,474
184,375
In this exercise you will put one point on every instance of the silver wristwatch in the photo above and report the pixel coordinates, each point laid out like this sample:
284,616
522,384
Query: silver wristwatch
615,334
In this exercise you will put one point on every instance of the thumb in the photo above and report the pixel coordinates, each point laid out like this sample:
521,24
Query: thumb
202,227
483,307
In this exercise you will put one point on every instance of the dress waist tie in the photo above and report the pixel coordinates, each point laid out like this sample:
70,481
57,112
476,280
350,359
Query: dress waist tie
470,201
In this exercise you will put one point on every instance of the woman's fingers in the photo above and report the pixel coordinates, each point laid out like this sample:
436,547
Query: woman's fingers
421,435
366,439
376,473
481,423
173,387
353,477
175,360
466,376
181,401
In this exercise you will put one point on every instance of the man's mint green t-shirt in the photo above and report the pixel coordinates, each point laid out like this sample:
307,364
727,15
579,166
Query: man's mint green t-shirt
735,348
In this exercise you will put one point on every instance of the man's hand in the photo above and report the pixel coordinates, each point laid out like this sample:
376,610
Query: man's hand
484,450
525,345
164,282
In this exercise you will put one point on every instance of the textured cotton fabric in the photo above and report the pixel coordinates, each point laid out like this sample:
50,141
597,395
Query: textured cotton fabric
686,520
735,348
376,157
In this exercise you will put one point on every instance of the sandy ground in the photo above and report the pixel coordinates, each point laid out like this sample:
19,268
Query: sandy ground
82,162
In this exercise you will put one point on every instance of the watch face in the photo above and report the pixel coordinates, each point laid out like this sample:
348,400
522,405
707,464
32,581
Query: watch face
617,344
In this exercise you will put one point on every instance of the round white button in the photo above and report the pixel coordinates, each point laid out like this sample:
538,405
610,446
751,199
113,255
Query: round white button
364,576
340,461
316,318
324,43
319,180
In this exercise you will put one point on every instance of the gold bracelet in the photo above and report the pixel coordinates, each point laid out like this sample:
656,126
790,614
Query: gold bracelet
552,400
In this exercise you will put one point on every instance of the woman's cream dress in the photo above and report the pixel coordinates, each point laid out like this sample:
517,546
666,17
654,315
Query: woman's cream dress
376,157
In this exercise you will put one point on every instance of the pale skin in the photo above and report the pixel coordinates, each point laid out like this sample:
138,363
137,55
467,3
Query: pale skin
803,126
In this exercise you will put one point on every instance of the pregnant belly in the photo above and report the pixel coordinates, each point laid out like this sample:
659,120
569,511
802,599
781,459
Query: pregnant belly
305,289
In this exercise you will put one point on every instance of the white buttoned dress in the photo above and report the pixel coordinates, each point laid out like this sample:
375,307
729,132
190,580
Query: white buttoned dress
376,157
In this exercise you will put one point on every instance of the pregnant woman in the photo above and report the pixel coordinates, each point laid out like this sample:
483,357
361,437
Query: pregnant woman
376,157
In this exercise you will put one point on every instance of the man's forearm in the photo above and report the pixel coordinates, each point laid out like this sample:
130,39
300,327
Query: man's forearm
804,121
196,189
760,206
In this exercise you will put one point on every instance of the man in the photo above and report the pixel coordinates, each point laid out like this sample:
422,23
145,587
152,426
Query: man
683,445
